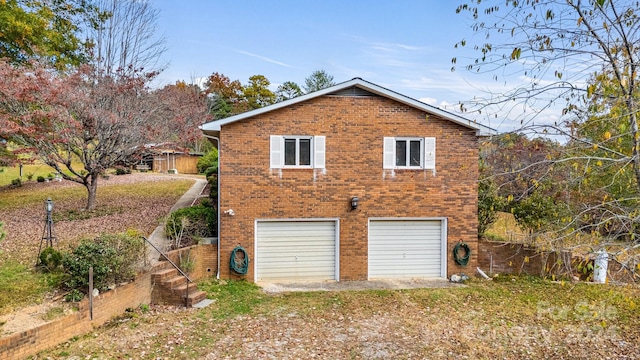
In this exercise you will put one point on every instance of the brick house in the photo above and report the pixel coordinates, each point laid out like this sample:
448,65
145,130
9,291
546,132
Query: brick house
291,174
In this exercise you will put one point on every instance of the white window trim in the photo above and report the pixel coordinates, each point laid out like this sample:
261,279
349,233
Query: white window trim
408,153
427,153
277,152
297,165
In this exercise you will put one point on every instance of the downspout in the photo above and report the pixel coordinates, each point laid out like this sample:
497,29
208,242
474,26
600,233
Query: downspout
218,212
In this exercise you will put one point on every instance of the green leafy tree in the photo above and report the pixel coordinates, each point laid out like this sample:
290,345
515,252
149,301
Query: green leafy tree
318,80
44,30
537,211
604,181
489,203
288,90
257,93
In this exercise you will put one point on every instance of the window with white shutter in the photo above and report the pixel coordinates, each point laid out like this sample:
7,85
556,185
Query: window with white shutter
297,152
409,153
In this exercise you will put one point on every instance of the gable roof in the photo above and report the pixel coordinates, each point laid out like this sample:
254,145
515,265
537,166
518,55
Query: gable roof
481,130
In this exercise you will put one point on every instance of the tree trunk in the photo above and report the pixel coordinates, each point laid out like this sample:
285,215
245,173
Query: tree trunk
92,189
633,121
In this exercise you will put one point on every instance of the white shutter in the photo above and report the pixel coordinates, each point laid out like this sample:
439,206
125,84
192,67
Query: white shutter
276,152
389,153
430,153
319,152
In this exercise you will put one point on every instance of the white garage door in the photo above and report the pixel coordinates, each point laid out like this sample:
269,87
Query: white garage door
406,249
296,250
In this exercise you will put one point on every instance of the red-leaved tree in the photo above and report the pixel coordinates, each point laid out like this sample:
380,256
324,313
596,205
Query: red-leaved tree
178,110
97,121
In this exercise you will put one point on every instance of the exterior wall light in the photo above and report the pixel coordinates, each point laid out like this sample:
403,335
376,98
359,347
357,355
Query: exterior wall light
354,202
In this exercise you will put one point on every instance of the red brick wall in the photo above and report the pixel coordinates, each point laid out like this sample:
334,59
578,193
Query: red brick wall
205,257
513,258
105,307
354,128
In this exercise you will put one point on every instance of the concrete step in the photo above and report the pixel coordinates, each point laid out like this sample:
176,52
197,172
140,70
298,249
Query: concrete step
203,304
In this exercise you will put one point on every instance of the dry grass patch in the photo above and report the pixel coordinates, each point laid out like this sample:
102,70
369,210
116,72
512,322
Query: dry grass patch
506,229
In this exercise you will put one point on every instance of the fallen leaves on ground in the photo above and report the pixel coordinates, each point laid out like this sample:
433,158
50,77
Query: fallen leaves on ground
398,324
24,226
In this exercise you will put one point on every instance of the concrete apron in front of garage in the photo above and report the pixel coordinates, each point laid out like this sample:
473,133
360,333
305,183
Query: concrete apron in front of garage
390,284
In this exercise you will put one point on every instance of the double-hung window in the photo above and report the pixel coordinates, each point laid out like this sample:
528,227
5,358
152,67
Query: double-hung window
297,151
411,153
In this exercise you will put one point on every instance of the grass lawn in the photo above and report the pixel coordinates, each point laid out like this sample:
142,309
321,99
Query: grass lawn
510,318
7,174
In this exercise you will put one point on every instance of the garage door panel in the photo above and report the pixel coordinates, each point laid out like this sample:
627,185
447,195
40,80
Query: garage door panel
396,248
296,250
408,251
405,248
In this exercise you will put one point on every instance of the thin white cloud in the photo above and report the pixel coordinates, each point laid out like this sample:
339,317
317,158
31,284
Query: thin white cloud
429,100
448,106
393,47
263,58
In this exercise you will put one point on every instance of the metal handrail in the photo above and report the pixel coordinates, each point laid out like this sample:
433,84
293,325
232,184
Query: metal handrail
186,300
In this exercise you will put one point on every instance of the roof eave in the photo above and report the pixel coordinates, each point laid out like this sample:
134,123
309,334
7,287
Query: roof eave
481,130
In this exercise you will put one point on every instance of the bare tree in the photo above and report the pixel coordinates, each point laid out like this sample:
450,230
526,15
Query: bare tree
127,38
580,59
177,111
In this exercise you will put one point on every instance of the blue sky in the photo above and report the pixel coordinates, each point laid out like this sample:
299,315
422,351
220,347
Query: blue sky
404,45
